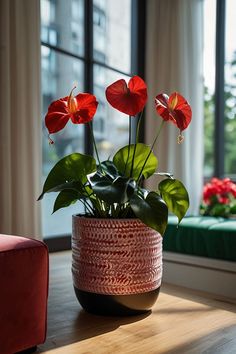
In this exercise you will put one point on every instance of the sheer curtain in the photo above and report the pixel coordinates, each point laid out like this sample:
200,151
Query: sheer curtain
20,118
174,55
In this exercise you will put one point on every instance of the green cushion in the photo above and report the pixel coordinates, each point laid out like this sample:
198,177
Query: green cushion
202,236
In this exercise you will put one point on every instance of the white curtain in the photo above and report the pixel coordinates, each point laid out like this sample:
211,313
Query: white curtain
174,55
20,118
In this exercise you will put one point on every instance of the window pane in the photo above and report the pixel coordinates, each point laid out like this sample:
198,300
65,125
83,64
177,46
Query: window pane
111,127
112,33
230,89
62,24
209,84
60,74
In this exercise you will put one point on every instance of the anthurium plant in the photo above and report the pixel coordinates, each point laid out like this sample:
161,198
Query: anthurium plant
115,188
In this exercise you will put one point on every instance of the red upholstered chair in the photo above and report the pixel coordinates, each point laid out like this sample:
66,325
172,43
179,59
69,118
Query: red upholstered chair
23,293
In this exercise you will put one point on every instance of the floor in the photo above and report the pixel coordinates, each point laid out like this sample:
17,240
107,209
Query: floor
182,321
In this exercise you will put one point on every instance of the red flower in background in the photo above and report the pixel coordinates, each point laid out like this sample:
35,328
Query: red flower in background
175,109
80,109
220,189
129,99
219,198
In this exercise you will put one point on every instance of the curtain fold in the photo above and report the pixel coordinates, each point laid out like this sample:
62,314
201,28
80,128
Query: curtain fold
20,117
174,56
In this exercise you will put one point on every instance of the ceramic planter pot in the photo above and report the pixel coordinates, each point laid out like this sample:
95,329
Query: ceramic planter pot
116,265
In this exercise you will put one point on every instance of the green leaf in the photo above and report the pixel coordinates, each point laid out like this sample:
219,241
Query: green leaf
220,210
123,161
112,191
233,209
75,185
66,198
175,195
74,167
152,211
109,168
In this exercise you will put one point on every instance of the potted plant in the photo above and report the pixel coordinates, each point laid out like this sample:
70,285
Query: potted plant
117,243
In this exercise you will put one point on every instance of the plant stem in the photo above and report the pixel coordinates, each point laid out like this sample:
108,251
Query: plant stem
154,142
129,144
136,142
138,126
95,146
132,165
125,211
113,210
88,206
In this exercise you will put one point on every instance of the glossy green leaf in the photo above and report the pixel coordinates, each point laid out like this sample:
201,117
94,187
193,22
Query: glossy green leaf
109,168
112,191
74,167
152,211
65,198
123,161
175,195
75,185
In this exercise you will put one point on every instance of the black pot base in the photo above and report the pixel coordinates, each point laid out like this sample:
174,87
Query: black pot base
117,305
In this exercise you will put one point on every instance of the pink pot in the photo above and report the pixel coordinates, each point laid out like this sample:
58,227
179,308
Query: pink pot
116,265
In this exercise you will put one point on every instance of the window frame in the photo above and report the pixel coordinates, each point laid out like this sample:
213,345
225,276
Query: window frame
219,117
219,96
138,19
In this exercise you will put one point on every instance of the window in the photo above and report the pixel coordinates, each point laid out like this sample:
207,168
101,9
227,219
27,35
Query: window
86,44
230,89
220,88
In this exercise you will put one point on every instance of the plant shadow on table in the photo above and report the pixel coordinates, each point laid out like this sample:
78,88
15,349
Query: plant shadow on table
85,326
88,325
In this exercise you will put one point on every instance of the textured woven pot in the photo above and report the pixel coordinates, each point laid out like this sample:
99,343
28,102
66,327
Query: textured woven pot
116,265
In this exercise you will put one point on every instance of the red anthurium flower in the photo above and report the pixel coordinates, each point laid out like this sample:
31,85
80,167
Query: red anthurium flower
129,99
80,109
174,108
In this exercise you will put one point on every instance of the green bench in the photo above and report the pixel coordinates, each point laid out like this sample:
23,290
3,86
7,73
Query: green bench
203,236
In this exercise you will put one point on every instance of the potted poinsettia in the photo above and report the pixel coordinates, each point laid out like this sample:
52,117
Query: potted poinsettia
117,243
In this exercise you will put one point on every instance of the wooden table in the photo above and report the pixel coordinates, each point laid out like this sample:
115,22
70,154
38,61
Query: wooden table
182,321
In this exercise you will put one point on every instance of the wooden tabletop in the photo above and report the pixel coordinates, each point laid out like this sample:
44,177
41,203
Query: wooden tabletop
182,321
